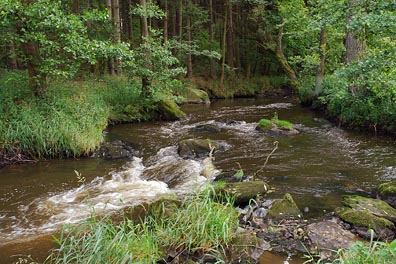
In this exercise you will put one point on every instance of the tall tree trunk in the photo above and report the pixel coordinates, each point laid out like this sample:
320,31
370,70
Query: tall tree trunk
180,26
146,82
230,36
30,49
166,22
224,48
189,38
76,6
211,39
321,67
110,60
354,41
237,40
117,32
37,80
12,62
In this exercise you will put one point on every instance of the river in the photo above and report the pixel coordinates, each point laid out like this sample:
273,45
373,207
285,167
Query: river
317,167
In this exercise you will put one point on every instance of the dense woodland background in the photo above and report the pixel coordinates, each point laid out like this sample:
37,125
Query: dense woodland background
336,55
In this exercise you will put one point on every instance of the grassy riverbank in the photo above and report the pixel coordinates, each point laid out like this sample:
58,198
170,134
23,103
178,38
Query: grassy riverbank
70,119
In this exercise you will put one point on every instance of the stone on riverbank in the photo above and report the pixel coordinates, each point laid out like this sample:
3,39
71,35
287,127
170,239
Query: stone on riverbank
367,213
196,96
376,207
242,192
169,110
284,208
327,237
387,192
246,247
195,148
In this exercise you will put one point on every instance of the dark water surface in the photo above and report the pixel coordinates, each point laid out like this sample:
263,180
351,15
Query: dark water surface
317,167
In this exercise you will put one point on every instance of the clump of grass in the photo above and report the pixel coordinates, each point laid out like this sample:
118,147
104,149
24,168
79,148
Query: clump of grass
281,123
199,225
266,124
369,253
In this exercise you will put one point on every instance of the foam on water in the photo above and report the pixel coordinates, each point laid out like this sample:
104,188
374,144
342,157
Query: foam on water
134,184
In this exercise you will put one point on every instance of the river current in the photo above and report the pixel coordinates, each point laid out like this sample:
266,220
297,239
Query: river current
317,167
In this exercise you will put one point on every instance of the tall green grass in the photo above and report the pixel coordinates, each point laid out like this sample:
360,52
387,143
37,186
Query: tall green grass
199,225
68,122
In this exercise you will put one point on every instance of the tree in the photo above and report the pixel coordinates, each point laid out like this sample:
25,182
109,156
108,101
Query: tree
53,41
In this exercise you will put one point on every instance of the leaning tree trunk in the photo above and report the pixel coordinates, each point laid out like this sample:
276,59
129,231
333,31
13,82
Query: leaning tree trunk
230,36
281,58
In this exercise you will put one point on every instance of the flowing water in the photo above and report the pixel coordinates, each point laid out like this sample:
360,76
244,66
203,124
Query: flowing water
317,167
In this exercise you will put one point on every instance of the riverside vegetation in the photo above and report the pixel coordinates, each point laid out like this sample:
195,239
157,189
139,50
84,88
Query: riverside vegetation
47,110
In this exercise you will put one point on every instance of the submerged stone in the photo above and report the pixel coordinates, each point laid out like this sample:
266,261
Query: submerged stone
210,128
116,150
284,208
194,148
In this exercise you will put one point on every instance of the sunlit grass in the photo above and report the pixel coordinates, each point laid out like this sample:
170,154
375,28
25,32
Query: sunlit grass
199,225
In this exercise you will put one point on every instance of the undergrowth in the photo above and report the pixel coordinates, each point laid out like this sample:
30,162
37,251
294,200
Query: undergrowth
199,225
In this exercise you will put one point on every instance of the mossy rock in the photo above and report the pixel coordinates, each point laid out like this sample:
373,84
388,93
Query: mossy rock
246,247
242,192
284,208
363,218
387,189
376,207
195,148
387,192
276,127
196,96
169,110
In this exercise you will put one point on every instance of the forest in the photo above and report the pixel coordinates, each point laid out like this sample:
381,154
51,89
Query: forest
69,69
335,55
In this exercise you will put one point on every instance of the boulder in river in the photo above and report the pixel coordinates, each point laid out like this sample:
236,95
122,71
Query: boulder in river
116,149
284,208
367,213
387,192
169,110
242,192
276,127
195,148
